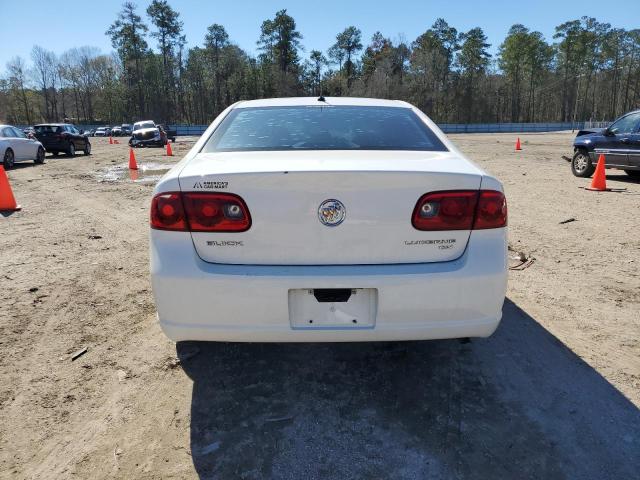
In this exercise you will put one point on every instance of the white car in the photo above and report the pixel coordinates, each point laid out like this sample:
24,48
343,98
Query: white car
15,146
101,132
327,220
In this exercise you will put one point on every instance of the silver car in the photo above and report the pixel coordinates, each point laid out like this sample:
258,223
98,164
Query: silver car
15,146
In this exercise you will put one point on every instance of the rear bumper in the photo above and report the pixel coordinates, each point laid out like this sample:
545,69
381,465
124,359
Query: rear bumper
247,303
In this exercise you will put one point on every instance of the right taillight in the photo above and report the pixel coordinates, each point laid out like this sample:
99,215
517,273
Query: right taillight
460,210
491,211
199,212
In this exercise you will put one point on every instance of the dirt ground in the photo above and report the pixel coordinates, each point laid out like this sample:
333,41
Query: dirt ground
553,394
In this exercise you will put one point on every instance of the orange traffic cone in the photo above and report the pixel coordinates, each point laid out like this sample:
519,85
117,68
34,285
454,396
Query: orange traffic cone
518,147
116,142
132,160
7,200
110,140
599,182
133,175
169,151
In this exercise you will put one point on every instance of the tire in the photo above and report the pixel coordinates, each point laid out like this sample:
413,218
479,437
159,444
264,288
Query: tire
633,173
581,165
55,154
87,149
39,156
71,150
9,159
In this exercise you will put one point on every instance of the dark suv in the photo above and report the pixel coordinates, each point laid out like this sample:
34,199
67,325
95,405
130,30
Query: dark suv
62,137
619,142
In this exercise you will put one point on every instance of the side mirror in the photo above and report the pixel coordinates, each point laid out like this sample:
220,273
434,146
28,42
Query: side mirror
81,132
607,133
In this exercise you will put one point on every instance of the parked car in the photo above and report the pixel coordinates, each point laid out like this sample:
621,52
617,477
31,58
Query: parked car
148,134
102,132
619,142
62,137
15,146
126,129
171,133
116,131
91,132
357,222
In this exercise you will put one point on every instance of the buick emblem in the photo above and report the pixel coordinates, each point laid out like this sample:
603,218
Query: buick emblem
331,213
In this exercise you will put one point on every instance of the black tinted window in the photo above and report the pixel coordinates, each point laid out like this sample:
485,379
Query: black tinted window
322,128
47,129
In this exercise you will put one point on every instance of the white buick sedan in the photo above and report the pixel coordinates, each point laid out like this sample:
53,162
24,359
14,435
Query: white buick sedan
327,220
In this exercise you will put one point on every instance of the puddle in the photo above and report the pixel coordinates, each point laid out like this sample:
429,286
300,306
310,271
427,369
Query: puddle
147,173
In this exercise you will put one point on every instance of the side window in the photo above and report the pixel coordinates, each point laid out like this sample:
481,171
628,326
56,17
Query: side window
7,132
18,133
626,124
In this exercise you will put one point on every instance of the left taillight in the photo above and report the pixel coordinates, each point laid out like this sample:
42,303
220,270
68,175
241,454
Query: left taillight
199,212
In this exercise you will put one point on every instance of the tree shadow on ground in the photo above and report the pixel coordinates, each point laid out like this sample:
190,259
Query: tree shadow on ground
517,405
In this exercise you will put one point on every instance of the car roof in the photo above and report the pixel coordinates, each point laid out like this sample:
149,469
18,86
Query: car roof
52,124
313,101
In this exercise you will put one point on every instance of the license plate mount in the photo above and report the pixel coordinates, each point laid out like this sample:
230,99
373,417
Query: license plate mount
334,309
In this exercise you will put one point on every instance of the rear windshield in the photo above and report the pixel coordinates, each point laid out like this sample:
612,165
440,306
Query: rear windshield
47,129
322,128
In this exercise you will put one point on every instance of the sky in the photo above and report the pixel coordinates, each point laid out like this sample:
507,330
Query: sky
41,22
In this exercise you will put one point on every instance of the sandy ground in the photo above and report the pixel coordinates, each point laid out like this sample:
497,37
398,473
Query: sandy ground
553,394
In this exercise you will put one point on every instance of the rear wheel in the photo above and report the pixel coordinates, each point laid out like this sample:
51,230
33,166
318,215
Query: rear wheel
9,159
633,173
87,149
71,150
581,165
40,155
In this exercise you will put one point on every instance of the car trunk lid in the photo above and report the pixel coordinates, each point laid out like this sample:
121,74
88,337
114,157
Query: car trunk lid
284,192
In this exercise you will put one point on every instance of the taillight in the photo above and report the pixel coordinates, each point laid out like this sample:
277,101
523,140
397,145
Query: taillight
167,212
216,212
200,212
491,211
460,210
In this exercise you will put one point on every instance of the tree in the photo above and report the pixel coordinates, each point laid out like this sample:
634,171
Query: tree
18,85
216,40
318,61
348,42
168,32
431,61
280,41
127,37
473,60
45,64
